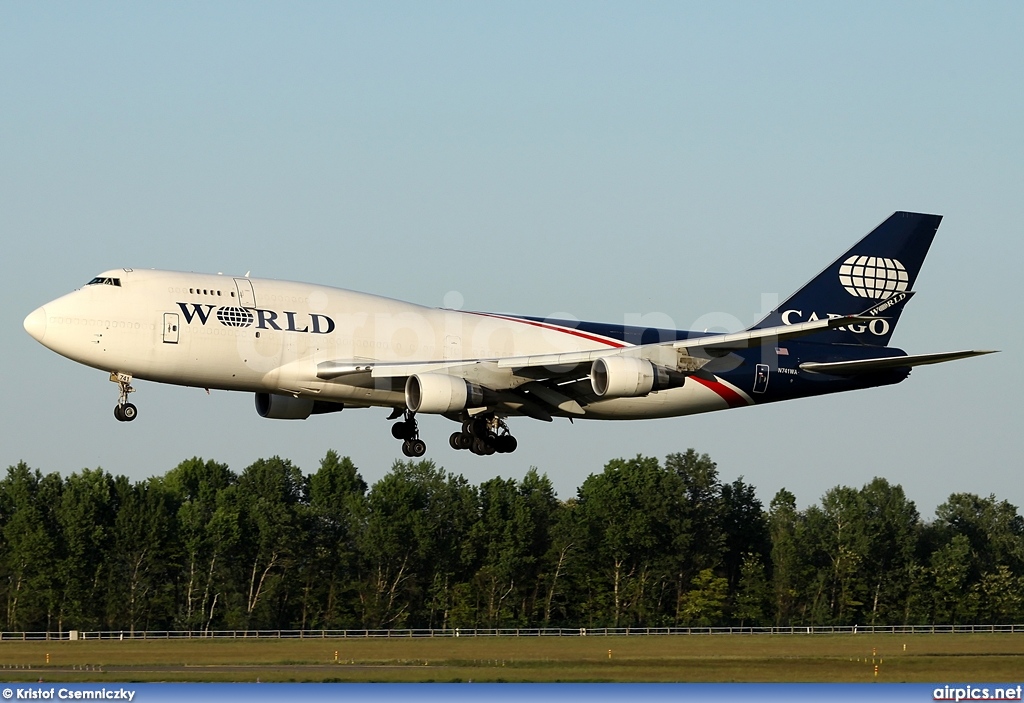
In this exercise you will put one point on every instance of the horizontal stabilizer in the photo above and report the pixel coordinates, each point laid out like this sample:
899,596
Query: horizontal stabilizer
768,335
850,368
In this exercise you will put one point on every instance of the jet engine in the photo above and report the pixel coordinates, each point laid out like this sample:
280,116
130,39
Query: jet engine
287,407
440,393
283,407
629,377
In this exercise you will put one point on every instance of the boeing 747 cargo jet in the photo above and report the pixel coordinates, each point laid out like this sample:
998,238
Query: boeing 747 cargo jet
305,349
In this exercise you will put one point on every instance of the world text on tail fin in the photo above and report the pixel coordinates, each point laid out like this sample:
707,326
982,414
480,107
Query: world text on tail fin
882,267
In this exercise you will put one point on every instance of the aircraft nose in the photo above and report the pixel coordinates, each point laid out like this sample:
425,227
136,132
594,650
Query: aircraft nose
35,324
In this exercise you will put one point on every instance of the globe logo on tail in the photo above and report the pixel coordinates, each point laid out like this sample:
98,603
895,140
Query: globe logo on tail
873,277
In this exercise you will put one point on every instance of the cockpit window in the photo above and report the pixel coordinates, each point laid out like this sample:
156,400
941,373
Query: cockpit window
104,281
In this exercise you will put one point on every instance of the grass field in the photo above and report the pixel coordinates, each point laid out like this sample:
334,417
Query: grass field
715,658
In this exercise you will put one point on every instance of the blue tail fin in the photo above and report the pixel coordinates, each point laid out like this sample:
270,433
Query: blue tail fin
875,273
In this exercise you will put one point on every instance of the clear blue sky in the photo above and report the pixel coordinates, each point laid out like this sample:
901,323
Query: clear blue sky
598,159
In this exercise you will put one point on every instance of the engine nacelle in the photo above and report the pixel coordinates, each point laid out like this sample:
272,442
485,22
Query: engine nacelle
629,377
440,393
283,407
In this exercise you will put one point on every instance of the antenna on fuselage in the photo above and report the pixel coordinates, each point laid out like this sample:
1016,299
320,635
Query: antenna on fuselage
247,273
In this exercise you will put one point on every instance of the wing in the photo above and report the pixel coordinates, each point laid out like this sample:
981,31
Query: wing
539,385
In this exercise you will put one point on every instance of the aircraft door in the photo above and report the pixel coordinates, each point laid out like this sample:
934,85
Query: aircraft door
761,378
246,296
170,328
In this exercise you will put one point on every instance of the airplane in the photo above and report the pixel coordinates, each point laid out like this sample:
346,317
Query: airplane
305,349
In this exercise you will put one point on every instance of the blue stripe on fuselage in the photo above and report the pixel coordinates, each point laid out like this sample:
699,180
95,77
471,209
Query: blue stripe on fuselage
622,333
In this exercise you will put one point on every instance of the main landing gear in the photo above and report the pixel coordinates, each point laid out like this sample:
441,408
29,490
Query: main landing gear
484,436
409,432
124,411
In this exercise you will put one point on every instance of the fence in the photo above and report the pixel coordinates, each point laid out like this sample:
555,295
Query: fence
507,632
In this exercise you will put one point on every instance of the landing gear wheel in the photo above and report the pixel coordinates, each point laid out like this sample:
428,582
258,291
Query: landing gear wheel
124,411
408,431
414,447
404,430
461,440
505,444
484,435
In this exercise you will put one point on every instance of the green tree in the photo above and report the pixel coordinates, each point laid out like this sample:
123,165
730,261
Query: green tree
700,528
753,593
745,527
620,535
269,495
412,546
704,603
1000,597
329,569
785,556
86,519
951,569
993,528
836,539
512,536
917,606
208,528
29,545
142,555
560,565
703,510
633,519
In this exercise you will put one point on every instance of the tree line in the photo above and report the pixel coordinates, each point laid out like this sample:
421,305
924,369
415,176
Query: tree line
643,543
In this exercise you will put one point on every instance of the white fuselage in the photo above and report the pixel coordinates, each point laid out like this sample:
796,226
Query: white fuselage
261,335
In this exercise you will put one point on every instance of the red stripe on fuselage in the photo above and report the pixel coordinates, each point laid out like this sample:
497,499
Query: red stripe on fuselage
556,328
731,397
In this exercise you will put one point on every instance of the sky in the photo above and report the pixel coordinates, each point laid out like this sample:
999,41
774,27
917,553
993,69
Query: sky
599,160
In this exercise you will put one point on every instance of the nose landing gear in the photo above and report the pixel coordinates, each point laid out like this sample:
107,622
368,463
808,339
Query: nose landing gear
409,432
124,411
